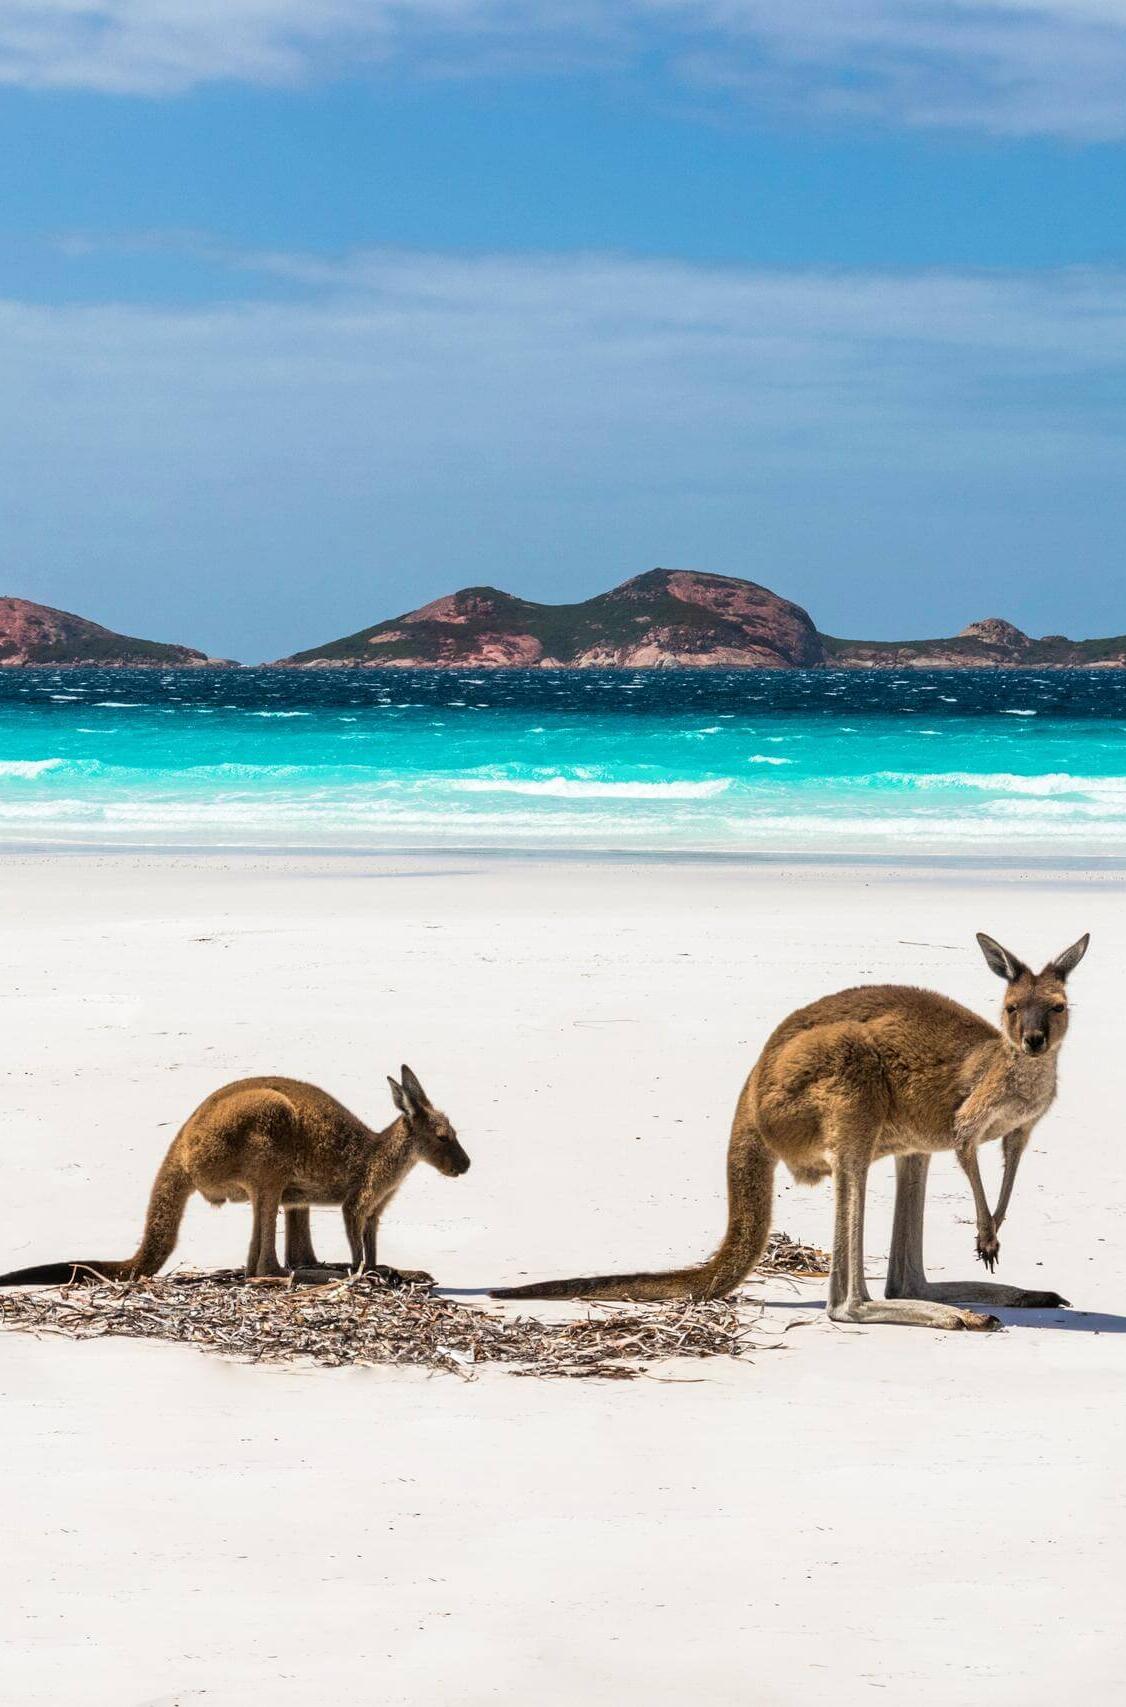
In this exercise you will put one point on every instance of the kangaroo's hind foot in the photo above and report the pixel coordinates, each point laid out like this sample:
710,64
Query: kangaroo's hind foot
979,1292
396,1277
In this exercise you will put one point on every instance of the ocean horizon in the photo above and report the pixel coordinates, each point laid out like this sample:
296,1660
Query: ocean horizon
821,763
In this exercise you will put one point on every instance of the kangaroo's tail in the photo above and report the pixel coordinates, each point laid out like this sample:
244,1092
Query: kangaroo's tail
750,1183
171,1190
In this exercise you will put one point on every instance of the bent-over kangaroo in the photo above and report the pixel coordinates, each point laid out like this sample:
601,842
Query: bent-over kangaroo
881,1070
280,1143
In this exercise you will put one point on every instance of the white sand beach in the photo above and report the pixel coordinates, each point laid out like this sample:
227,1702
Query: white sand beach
862,1514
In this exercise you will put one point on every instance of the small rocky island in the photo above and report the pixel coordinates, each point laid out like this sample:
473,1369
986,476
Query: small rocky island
32,634
672,618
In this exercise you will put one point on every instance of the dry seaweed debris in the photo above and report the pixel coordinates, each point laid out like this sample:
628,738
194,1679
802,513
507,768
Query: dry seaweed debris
362,1320
787,1256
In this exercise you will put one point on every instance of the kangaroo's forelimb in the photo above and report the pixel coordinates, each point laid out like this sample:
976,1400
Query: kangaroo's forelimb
988,1244
1013,1146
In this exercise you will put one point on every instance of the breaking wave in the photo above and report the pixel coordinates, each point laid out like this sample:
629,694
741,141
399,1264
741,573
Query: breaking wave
28,768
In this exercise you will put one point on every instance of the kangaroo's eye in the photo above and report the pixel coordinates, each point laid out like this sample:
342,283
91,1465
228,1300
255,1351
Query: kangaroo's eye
1010,1007
1059,1007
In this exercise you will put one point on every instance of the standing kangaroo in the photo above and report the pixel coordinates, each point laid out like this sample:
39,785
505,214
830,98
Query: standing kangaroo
280,1143
881,1070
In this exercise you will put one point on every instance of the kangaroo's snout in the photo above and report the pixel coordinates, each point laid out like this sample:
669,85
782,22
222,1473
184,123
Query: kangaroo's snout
459,1162
1035,1043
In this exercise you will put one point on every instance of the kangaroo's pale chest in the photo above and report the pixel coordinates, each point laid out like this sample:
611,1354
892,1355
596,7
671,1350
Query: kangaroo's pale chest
1025,1094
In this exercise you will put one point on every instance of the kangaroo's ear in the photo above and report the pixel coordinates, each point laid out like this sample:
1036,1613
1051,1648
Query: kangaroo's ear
999,959
402,1099
413,1089
1070,958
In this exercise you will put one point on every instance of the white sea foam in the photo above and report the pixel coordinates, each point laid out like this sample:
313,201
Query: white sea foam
295,821
1008,782
572,788
767,759
1051,810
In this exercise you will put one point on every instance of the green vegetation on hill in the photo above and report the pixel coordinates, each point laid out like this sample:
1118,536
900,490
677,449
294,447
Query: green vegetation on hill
966,646
98,646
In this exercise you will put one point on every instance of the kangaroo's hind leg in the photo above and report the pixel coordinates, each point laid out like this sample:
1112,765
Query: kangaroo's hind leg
262,1258
299,1252
906,1274
849,1298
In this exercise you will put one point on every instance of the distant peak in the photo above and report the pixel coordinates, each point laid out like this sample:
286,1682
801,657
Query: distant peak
996,631
464,606
653,579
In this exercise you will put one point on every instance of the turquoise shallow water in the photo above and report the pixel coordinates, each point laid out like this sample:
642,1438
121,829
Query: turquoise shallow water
990,764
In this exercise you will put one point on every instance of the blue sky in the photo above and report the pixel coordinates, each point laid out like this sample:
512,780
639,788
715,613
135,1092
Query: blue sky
313,309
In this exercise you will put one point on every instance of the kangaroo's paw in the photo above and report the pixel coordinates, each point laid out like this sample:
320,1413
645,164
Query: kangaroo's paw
988,1250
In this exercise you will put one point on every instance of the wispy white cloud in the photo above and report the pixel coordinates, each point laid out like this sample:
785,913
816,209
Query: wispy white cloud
1006,66
402,423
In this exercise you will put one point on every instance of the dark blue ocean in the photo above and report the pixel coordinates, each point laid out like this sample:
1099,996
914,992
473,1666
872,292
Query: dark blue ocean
981,763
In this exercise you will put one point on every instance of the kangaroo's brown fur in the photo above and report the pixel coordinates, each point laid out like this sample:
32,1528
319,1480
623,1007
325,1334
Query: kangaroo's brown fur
280,1143
882,1070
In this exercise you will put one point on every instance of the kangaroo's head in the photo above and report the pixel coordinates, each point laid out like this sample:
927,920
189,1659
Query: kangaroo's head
1034,1020
434,1139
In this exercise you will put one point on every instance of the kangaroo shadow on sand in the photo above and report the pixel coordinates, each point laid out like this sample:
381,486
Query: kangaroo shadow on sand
1062,1321
1065,1321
